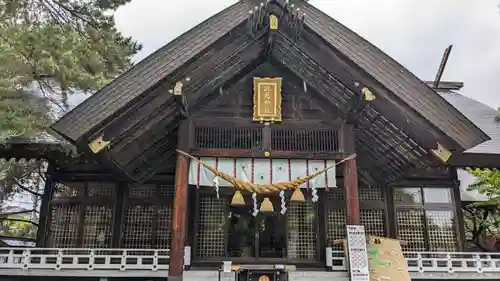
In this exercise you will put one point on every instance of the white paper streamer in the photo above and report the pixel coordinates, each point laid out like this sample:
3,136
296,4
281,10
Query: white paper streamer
255,209
314,191
283,208
216,185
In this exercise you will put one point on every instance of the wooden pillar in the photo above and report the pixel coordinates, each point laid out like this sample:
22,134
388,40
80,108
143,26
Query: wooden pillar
176,266
351,192
459,215
351,179
44,220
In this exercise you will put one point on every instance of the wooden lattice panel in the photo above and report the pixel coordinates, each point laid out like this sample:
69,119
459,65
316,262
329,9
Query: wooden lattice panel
142,191
442,235
373,221
100,189
411,228
305,139
337,219
367,193
138,226
63,231
227,137
301,230
335,194
68,189
407,196
211,235
97,228
164,233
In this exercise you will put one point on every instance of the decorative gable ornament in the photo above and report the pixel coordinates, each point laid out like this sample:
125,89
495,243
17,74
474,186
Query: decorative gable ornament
267,99
98,144
441,152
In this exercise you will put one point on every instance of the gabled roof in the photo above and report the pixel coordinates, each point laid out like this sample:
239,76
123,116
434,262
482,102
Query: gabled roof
137,107
392,75
480,114
149,72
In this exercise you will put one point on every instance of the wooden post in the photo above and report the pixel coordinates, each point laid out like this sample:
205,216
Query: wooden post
351,192
44,220
351,179
176,266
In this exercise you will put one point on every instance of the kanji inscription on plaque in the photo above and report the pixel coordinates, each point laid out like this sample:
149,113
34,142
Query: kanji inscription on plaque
267,99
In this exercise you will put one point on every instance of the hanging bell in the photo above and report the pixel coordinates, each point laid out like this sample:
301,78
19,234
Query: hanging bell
297,196
266,206
238,199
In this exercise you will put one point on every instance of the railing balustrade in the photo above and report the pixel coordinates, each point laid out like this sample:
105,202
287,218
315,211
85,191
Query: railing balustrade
84,259
134,260
433,262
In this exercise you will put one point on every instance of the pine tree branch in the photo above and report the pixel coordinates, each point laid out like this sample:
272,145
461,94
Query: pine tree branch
21,186
6,214
20,220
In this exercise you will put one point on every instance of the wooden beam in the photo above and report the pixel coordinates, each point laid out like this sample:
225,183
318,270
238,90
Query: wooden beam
351,180
41,235
259,153
176,265
322,56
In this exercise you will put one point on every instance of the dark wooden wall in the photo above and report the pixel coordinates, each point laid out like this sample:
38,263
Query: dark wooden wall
237,100
88,202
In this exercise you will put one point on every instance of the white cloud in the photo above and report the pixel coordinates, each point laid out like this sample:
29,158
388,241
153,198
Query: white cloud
414,32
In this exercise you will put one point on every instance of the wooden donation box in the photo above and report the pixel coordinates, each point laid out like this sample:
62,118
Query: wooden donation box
386,260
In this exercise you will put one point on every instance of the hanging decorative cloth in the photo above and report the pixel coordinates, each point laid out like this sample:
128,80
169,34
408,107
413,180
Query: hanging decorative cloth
255,209
216,186
314,191
283,207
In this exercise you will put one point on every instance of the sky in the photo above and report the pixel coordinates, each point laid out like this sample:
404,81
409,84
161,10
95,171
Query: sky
414,32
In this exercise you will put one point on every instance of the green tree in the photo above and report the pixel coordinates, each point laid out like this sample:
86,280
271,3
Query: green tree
49,50
482,219
21,227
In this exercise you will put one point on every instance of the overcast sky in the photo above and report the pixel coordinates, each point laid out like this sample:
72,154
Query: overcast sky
414,32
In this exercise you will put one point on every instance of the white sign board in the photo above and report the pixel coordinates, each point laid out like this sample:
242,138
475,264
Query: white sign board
358,255
226,266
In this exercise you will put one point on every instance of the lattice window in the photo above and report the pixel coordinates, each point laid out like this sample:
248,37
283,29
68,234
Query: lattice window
305,139
374,222
407,196
372,214
142,191
411,229
226,137
442,236
337,220
211,227
68,189
301,230
367,193
97,229
425,218
148,216
167,190
100,189
63,230
164,234
138,227
335,194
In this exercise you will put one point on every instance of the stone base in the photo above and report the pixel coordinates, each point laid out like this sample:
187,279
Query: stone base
175,278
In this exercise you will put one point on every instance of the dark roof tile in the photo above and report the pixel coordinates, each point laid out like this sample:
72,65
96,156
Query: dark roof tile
149,72
393,76
481,115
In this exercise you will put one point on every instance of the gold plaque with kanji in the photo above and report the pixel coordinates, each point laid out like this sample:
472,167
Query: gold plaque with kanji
267,99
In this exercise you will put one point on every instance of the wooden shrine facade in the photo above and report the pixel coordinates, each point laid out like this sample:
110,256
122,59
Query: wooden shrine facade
91,210
271,80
